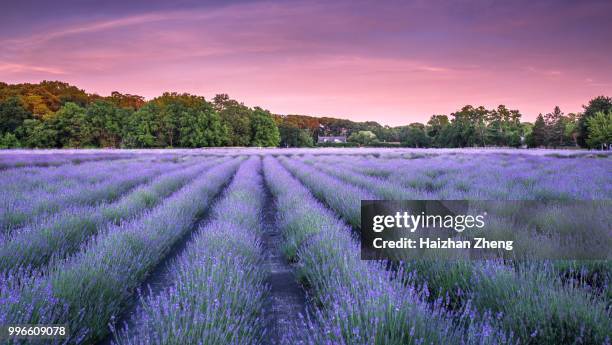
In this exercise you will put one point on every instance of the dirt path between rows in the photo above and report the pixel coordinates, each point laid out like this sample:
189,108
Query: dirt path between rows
287,299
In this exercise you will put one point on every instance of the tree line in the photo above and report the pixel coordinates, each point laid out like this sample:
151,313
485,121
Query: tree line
54,114
468,127
57,115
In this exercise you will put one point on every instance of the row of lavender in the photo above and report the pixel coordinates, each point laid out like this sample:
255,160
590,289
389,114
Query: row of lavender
531,302
216,288
16,159
29,193
359,302
80,262
63,232
81,265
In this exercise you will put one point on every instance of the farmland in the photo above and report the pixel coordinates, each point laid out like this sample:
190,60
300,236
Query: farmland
261,246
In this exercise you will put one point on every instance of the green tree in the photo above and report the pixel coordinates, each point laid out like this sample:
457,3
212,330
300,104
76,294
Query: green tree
38,134
72,127
465,127
264,129
436,125
389,134
201,128
462,128
600,130
9,141
597,104
478,118
12,115
237,118
173,106
495,129
169,120
503,127
555,127
292,136
107,122
513,139
142,127
539,133
570,129
362,137
414,135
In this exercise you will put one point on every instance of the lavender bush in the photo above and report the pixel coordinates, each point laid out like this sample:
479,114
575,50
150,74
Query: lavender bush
361,302
102,184
82,231
64,233
89,289
342,197
217,290
551,314
21,158
492,176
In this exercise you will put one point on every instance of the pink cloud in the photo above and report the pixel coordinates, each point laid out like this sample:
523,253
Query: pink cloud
16,68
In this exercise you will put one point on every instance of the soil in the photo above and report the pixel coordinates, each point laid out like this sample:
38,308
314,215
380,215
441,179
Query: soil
286,308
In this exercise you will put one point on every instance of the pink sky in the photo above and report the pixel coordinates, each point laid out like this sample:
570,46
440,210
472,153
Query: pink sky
395,63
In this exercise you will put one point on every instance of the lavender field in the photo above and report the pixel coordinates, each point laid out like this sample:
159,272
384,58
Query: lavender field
261,246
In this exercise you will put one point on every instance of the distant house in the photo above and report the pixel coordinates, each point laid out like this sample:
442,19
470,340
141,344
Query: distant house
338,139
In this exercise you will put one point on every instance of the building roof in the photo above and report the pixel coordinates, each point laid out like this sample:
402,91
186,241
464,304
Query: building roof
336,139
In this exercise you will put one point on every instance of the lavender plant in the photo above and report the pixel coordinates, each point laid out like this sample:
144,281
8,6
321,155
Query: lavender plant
88,290
360,302
382,187
78,240
101,185
64,233
459,283
491,176
342,197
218,283
25,158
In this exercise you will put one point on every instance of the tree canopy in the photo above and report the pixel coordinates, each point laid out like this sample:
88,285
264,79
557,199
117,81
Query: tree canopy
600,129
596,105
362,137
264,129
57,114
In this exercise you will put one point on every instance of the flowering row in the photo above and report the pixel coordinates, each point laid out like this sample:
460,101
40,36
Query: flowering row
26,200
360,302
217,285
529,301
62,234
88,290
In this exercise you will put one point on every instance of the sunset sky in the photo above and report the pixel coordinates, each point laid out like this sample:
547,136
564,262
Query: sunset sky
391,62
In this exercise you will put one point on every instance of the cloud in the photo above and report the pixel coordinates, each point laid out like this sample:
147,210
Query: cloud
21,68
433,69
544,72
